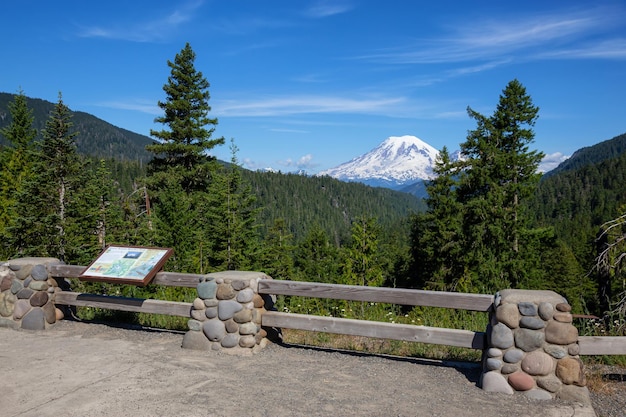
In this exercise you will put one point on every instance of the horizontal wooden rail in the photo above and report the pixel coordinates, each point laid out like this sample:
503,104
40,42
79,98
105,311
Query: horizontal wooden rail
602,345
138,305
589,345
401,296
407,332
168,279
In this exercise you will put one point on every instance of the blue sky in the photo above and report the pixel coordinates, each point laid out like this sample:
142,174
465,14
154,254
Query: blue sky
311,84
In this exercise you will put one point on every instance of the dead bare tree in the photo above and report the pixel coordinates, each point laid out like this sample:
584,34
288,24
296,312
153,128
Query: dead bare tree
610,263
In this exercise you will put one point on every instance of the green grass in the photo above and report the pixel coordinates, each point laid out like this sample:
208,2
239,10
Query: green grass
418,316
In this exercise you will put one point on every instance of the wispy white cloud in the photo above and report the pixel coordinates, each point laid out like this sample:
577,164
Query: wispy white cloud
487,37
244,25
139,105
292,105
153,30
610,49
325,8
477,68
449,115
514,39
396,107
281,130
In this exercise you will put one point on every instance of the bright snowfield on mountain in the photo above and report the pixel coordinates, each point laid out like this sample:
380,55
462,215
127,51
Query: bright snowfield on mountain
398,161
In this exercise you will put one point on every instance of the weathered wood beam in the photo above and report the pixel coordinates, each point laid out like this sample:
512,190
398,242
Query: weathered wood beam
138,305
401,296
602,345
176,279
65,271
168,279
395,331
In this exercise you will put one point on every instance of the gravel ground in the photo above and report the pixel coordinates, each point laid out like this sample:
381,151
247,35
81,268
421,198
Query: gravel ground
607,387
86,369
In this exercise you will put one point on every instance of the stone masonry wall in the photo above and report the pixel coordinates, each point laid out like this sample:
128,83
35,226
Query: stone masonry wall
27,294
227,313
533,347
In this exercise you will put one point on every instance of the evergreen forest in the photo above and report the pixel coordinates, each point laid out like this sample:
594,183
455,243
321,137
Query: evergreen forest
72,184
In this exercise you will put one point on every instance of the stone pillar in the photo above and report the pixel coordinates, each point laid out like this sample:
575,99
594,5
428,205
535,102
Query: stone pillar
27,294
533,348
227,313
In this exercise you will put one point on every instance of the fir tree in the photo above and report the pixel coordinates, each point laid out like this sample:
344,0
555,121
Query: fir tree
97,214
316,258
437,237
276,258
16,162
44,205
361,266
183,150
497,175
230,229
475,235
182,169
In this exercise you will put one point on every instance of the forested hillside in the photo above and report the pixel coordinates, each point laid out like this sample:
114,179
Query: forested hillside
582,194
608,149
576,203
96,137
303,202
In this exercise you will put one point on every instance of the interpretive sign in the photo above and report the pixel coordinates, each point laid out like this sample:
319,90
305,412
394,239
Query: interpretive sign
127,265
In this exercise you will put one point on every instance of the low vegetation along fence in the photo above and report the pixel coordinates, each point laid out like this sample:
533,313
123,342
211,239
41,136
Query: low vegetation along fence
406,332
589,345
529,346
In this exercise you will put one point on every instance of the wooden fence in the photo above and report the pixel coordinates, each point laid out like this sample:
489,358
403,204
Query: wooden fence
137,305
406,332
589,345
602,345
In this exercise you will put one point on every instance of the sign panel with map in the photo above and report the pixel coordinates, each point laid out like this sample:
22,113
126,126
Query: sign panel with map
127,265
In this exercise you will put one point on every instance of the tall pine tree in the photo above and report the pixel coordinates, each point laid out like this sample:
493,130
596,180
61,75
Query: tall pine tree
276,258
183,148
475,235
361,264
16,162
45,204
230,231
436,235
182,168
500,171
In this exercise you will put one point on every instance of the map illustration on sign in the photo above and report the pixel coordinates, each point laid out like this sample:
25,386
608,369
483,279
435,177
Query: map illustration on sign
127,265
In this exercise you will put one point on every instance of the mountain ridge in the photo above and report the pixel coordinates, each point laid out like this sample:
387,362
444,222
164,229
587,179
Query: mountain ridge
607,149
97,137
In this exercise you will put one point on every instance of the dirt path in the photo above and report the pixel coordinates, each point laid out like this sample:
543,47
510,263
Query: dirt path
80,369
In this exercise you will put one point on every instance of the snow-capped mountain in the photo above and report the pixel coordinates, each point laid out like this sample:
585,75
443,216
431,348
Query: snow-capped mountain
398,161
